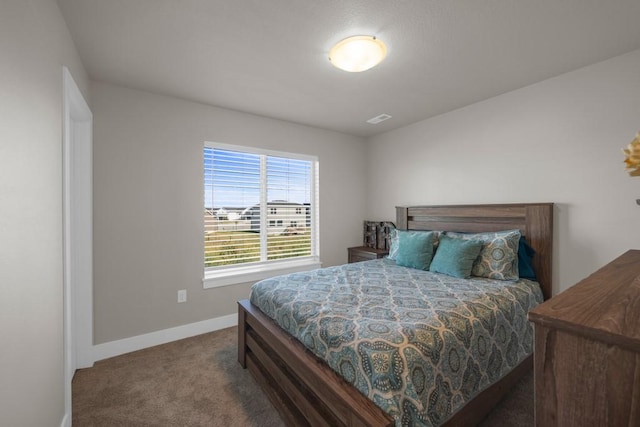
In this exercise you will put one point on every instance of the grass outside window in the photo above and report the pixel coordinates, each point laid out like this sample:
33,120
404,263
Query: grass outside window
241,247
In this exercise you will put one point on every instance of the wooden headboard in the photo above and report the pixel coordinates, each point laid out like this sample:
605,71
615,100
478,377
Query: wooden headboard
534,220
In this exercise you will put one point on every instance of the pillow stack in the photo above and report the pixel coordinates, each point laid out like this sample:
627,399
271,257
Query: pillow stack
501,255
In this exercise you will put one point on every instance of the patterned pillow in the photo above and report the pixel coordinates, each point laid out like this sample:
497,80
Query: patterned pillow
498,258
415,250
455,257
393,247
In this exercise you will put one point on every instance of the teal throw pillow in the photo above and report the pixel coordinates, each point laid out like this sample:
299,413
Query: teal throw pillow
393,248
415,250
455,256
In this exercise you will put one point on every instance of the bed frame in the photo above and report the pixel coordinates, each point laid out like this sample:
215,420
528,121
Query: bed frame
306,392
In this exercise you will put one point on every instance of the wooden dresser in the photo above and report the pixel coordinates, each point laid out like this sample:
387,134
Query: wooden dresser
587,350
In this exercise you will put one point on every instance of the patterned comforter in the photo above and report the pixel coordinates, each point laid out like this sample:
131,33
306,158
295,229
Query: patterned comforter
418,344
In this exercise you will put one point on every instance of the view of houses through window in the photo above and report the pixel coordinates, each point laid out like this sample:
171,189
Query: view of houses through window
257,207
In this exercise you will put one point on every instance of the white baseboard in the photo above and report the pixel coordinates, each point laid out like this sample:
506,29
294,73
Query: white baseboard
66,420
127,345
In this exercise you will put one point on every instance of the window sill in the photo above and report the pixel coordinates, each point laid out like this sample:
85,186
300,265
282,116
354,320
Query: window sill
237,275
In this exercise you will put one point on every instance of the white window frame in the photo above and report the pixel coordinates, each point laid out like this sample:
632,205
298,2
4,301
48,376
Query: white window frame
244,273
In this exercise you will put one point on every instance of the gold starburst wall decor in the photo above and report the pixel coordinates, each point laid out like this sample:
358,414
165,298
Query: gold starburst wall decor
632,153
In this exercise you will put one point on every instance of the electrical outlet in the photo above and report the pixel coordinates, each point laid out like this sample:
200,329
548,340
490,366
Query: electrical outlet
182,295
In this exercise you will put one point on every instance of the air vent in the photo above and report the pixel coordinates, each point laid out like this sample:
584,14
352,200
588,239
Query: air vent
377,119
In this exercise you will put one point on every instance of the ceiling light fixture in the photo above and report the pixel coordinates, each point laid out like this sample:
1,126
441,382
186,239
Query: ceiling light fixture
357,53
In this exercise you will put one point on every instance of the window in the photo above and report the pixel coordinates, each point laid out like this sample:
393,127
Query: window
249,196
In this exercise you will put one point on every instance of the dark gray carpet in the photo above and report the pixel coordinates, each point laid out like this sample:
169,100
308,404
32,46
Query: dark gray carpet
198,382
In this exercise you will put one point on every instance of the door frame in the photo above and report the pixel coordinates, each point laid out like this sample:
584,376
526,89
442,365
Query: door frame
77,152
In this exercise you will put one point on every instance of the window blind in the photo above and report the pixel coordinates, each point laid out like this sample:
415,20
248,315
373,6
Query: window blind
257,207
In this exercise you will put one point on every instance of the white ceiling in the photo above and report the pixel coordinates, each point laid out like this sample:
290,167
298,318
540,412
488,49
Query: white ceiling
269,57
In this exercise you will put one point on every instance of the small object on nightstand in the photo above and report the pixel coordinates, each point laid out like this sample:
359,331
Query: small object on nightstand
377,234
363,253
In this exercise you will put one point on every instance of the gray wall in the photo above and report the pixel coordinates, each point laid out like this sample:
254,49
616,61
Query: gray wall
559,141
148,212
34,45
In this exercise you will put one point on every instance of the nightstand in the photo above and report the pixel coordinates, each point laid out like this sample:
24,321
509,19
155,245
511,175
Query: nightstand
363,253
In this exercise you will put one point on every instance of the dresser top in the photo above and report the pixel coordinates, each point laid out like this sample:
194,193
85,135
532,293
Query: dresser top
605,306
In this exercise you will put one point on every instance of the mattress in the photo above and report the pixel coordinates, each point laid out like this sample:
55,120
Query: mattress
418,344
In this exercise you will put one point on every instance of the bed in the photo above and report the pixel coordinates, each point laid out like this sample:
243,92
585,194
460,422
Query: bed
307,391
